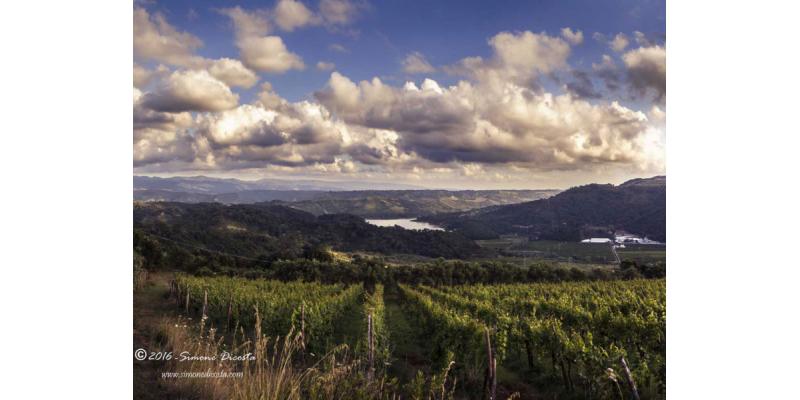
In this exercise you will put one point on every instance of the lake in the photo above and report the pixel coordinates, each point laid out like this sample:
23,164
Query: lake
407,223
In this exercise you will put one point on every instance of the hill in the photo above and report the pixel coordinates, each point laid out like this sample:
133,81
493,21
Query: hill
412,203
637,206
271,232
208,185
406,203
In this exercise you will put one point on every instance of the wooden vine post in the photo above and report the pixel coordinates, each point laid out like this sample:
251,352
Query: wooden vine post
187,301
371,345
629,378
303,325
205,303
490,382
230,310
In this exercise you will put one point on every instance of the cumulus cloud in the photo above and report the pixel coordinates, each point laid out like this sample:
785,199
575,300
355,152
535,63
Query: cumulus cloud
619,43
192,90
232,72
295,134
143,76
480,124
641,39
498,122
155,39
269,54
292,14
517,57
159,137
325,66
574,37
259,52
339,12
416,63
647,71
246,24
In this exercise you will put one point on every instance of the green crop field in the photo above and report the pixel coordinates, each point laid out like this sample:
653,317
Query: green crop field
643,253
565,339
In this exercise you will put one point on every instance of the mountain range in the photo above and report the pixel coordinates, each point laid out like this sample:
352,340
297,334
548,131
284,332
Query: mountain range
637,206
406,203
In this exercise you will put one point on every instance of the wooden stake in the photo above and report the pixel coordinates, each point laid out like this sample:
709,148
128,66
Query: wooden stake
629,378
205,303
491,365
370,343
230,310
303,324
187,301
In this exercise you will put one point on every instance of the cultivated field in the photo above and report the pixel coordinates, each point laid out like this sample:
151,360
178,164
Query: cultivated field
539,340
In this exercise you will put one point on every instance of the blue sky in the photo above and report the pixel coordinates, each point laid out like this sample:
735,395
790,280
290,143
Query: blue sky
375,38
445,31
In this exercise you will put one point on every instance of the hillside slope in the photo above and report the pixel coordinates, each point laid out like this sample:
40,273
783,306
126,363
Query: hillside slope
278,232
637,206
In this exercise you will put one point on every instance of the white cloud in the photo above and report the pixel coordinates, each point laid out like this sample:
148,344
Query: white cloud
155,39
246,23
641,39
292,14
415,63
194,90
262,53
232,72
470,123
325,66
498,123
338,12
574,37
517,57
143,76
619,43
268,54
159,137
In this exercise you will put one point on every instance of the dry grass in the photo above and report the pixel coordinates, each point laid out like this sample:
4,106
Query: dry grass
278,371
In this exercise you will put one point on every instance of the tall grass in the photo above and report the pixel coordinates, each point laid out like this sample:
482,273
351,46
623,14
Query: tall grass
281,369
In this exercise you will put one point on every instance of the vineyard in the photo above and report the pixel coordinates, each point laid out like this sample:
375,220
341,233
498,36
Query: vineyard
577,339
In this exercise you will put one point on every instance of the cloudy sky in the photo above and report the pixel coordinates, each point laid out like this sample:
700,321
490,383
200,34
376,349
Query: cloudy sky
456,94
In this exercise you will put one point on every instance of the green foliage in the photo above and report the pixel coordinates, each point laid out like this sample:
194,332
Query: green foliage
638,207
271,232
576,331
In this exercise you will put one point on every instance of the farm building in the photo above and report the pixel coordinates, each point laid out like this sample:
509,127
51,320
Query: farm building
596,240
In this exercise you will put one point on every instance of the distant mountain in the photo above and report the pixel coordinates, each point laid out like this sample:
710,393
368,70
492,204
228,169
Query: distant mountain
413,203
277,232
364,203
637,206
207,185
241,197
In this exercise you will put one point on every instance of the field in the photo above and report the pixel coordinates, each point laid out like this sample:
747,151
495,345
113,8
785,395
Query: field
598,253
643,253
547,340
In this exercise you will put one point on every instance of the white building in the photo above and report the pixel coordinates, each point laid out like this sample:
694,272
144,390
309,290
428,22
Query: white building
596,240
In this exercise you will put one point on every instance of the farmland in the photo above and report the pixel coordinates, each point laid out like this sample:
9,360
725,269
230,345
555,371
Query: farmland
546,339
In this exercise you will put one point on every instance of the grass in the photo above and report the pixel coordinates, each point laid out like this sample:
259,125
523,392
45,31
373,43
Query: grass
280,368
644,253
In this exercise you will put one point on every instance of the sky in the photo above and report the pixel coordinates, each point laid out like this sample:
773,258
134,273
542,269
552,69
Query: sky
446,94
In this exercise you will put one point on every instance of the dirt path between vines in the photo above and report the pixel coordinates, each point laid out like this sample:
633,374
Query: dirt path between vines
150,308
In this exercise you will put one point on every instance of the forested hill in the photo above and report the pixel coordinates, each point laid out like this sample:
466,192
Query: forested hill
412,203
273,232
637,206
